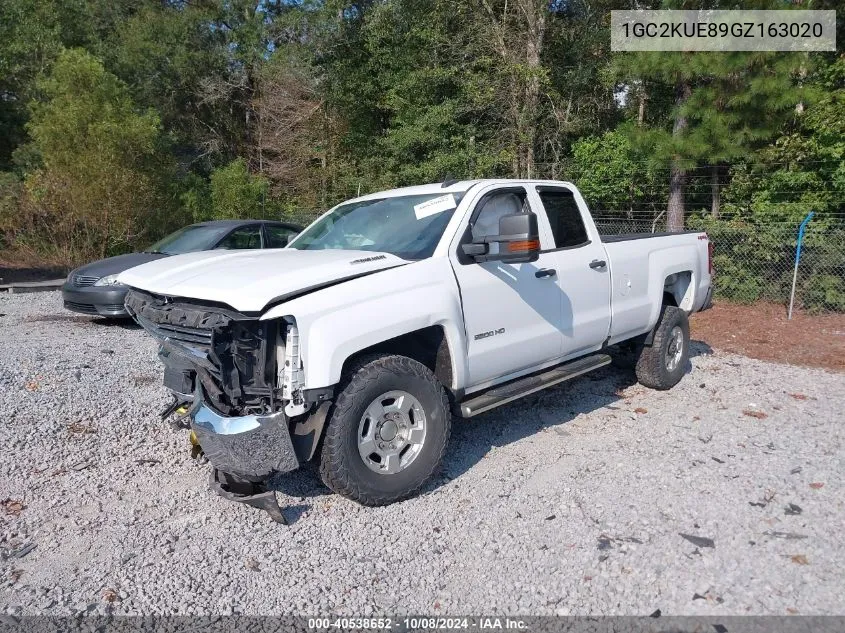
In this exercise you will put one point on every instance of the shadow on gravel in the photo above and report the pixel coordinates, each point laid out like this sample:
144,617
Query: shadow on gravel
698,348
303,483
472,439
124,324
293,513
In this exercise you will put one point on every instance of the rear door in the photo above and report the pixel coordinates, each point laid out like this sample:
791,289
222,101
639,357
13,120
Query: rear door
511,311
583,272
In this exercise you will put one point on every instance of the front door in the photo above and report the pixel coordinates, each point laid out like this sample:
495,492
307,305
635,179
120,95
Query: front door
511,311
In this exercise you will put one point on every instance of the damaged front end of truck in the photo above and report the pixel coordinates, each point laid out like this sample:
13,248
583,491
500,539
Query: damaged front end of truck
237,380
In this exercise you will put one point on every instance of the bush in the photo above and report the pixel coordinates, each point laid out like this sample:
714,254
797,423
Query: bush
611,174
236,193
822,293
98,187
734,282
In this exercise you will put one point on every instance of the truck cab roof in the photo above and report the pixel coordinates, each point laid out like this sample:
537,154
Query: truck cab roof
460,186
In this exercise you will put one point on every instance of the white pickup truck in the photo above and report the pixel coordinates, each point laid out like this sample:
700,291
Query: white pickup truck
357,342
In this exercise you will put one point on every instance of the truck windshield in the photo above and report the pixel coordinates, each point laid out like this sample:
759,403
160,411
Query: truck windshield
406,226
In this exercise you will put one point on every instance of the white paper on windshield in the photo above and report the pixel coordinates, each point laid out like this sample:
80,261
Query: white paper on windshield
434,206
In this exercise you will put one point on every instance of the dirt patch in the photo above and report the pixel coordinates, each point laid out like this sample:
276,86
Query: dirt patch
762,331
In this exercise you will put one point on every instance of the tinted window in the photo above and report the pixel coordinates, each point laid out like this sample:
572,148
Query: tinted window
277,236
492,208
199,237
564,217
245,237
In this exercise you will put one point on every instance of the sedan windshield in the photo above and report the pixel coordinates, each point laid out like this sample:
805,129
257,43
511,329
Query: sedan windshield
406,226
198,237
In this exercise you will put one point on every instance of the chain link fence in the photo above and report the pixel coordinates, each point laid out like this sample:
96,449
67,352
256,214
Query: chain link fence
755,262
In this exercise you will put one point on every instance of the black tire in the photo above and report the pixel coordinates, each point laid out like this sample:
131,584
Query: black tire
652,364
341,466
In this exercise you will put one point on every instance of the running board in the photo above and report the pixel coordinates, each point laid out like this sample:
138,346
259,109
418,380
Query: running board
520,387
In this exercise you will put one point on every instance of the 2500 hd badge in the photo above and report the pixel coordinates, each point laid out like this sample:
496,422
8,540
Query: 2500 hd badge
501,330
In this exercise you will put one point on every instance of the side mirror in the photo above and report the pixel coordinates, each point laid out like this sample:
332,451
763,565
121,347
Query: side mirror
518,241
474,249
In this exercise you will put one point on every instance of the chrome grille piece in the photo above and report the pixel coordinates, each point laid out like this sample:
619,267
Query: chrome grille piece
84,280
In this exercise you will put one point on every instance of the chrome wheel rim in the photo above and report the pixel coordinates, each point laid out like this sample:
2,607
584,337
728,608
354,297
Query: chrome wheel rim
675,349
391,432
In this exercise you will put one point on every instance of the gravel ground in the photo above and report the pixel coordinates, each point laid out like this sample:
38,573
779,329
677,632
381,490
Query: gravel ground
574,501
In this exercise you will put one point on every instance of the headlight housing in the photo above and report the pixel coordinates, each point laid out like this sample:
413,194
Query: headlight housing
108,280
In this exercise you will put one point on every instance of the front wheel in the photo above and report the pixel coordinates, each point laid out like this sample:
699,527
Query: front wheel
662,364
387,431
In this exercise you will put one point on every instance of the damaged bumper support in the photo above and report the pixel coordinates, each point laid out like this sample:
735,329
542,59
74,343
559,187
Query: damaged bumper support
231,355
245,451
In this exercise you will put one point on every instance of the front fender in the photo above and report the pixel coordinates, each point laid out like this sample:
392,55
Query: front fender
337,322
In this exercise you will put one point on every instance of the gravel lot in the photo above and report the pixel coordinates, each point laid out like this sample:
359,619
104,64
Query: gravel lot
572,501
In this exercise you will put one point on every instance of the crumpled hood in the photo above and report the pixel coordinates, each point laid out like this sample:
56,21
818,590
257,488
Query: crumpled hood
247,280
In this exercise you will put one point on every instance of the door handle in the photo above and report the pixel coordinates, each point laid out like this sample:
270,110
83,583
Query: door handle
545,272
597,263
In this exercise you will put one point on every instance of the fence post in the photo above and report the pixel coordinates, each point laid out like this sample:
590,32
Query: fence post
797,258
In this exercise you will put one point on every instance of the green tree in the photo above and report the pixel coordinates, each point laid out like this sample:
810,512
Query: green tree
236,193
32,34
725,106
168,54
612,176
98,190
30,38
392,78
803,169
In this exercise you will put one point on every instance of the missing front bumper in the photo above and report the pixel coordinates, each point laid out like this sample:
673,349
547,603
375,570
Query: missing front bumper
230,354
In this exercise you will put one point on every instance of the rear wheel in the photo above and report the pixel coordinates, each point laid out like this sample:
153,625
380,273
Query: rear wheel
662,364
387,431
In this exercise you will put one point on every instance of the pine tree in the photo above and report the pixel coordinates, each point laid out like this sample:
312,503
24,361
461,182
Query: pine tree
724,106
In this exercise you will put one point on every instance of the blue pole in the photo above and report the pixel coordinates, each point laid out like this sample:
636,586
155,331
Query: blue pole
798,258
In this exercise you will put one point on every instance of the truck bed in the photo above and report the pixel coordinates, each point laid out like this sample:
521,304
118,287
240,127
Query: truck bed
642,267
